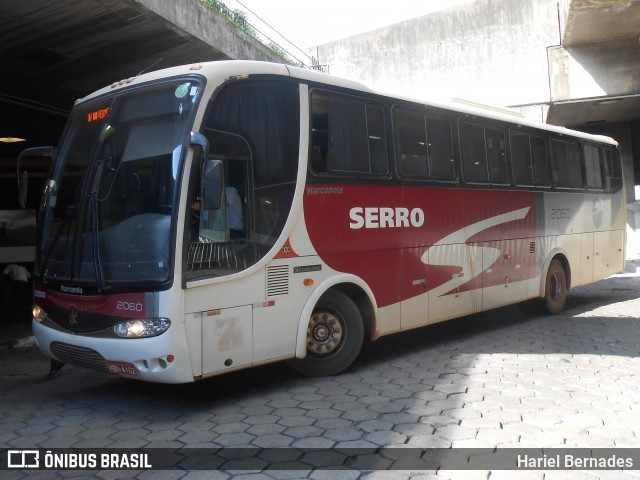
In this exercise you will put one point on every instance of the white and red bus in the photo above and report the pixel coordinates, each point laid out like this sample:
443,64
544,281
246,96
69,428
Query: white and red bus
213,217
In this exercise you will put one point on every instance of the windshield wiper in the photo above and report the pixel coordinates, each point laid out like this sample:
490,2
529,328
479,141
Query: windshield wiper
95,226
68,215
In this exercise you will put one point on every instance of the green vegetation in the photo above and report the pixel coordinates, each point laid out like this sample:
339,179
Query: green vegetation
239,18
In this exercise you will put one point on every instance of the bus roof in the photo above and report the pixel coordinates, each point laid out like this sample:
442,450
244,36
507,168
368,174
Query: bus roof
239,68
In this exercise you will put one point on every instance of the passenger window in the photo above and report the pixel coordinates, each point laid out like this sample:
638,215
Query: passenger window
496,157
612,170
483,154
593,167
540,160
567,164
423,146
411,143
440,149
474,155
529,160
348,135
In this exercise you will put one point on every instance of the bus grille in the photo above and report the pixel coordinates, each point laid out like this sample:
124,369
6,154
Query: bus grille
83,357
278,281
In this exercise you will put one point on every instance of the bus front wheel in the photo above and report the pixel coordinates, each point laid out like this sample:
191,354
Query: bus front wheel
334,336
555,290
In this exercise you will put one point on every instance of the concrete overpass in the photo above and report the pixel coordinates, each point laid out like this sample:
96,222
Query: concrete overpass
56,51
594,73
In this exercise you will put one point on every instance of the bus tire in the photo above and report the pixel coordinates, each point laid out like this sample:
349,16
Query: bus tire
334,336
555,290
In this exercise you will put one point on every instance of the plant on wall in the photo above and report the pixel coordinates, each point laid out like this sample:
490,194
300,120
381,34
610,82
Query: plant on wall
239,18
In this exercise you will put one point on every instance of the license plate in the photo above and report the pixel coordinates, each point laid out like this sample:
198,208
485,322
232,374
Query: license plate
122,368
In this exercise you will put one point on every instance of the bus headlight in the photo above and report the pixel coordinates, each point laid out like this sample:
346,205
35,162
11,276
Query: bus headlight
38,313
141,328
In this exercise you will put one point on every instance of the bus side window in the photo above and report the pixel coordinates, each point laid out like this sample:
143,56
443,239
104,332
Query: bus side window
567,164
612,170
378,157
521,163
411,143
593,166
540,161
319,133
424,146
529,160
440,149
496,155
348,135
474,154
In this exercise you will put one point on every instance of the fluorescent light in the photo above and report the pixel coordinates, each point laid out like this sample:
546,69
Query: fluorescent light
12,139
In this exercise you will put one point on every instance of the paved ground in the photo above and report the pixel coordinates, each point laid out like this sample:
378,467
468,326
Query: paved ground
500,379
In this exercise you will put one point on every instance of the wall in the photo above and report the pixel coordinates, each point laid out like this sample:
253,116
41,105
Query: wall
489,51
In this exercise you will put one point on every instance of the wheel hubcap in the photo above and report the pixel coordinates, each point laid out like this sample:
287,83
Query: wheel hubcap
324,333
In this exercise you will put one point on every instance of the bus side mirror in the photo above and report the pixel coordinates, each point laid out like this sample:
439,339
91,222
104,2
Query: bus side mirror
23,177
212,185
199,140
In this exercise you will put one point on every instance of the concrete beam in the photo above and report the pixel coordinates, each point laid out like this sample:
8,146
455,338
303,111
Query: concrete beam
199,21
589,21
588,71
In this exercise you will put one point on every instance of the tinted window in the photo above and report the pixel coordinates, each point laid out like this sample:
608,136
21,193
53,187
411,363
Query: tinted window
612,169
567,164
440,144
411,143
423,145
348,135
483,154
593,166
529,160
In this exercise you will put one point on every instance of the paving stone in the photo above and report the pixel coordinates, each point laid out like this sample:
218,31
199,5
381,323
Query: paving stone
344,434
323,413
235,427
329,423
498,436
261,419
304,431
266,429
360,415
385,438
296,421
456,432
235,439
567,380
273,441
314,442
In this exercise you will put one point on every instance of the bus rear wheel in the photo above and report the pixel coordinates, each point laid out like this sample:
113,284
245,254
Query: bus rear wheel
555,290
334,336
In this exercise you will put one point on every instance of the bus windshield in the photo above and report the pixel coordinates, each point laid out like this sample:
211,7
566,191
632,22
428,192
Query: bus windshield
107,211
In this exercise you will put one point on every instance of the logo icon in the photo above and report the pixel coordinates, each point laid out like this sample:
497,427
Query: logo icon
23,459
73,318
